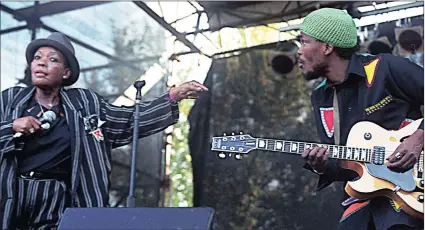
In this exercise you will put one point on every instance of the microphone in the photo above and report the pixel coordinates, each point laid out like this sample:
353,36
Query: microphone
47,118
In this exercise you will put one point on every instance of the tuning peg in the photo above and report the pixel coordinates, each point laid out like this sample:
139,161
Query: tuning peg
241,133
233,134
222,155
238,157
224,134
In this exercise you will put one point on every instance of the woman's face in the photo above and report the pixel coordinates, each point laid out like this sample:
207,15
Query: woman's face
48,68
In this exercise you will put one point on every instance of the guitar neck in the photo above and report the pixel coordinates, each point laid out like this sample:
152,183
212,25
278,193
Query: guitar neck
295,147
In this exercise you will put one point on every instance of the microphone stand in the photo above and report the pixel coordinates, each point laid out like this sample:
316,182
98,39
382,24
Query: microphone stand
131,199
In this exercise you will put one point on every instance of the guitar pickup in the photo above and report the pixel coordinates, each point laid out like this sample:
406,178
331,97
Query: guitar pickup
378,157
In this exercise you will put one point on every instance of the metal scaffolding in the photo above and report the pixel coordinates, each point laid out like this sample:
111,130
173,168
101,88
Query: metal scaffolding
220,14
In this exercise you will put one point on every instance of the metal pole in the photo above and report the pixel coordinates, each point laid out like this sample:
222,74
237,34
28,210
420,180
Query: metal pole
131,198
35,15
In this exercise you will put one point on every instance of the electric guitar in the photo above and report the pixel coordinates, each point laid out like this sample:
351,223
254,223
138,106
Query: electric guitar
366,150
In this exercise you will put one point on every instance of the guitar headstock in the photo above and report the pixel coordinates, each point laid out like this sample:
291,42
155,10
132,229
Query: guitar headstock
235,144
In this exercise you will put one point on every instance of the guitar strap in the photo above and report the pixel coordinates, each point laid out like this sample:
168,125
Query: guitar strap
336,119
350,200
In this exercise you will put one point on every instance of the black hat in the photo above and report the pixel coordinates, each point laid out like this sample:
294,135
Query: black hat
61,43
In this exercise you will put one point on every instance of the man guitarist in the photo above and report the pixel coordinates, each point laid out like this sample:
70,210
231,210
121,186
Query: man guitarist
383,89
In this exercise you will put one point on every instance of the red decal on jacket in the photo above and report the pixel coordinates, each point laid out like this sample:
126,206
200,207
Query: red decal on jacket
327,116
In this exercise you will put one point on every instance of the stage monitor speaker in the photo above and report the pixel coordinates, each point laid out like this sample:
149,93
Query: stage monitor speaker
137,218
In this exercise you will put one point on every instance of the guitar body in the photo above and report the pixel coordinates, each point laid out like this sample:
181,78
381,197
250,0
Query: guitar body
378,180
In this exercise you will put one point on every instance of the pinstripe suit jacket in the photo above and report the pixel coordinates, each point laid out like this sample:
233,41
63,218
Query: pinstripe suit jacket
91,160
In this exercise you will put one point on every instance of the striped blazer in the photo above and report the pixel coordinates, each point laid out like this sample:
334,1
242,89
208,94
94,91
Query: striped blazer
91,159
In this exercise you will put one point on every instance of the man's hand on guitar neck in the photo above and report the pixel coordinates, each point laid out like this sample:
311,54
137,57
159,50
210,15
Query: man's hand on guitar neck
317,158
407,153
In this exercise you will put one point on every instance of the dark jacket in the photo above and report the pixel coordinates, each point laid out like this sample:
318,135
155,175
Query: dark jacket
91,159
384,89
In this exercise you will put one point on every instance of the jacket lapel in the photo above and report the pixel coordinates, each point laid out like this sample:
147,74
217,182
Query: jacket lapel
72,107
17,105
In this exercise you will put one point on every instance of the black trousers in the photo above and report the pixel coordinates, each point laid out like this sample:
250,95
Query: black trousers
40,203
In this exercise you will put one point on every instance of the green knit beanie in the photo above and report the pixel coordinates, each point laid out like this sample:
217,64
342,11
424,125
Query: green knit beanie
332,26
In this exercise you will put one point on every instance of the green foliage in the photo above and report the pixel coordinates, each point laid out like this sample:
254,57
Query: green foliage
181,168
181,163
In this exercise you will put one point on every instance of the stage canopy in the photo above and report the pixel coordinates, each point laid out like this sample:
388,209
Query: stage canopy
236,14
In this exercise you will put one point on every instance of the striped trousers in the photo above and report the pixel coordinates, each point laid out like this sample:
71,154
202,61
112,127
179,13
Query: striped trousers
40,203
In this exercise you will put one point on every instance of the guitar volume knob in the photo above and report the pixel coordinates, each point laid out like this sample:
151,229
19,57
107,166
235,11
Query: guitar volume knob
421,198
367,136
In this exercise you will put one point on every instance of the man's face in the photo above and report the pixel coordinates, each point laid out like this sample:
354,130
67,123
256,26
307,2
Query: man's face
312,57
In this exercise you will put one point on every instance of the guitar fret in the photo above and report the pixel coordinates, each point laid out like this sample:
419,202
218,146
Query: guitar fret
367,155
334,151
301,147
308,145
348,152
270,145
370,155
344,152
261,144
355,154
279,145
351,153
362,155
294,147
287,146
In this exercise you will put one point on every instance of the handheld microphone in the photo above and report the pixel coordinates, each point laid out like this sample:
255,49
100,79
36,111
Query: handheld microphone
47,118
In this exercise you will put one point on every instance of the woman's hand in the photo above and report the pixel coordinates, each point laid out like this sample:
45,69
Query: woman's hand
26,125
187,90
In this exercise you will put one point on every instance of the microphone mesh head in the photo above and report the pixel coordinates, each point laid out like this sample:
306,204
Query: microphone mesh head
49,116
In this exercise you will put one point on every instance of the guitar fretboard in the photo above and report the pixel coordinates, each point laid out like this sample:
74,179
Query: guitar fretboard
334,151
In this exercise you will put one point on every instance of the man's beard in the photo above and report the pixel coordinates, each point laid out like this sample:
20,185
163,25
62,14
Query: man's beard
318,72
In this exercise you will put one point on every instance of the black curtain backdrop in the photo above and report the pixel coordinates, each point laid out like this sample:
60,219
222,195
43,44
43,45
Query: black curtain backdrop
265,190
